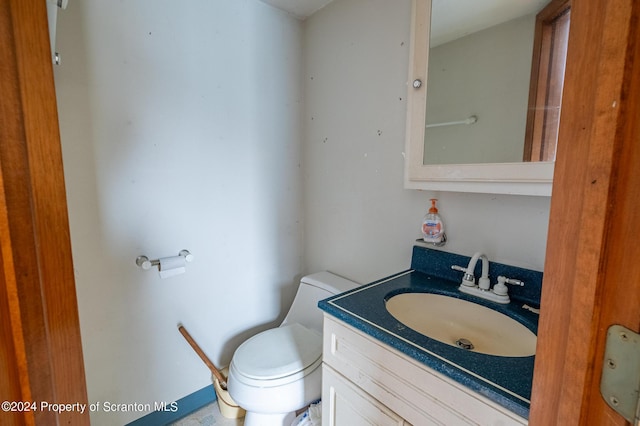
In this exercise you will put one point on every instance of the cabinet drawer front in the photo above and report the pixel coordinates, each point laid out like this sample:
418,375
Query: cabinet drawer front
417,393
343,404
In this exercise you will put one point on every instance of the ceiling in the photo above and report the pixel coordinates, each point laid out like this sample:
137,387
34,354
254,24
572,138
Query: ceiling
301,9
453,18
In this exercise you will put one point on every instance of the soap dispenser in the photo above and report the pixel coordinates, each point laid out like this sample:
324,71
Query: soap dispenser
432,226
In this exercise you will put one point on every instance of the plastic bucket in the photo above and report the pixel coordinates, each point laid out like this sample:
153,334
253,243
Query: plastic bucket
228,407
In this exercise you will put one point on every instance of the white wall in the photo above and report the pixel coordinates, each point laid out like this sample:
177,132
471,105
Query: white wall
180,129
359,221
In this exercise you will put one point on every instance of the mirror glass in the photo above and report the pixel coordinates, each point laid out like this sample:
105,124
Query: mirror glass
479,82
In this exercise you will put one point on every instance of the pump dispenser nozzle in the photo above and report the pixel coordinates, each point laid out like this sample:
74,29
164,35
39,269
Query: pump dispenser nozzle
433,208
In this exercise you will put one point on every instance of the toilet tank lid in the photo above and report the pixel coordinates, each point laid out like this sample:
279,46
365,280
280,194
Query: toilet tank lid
330,282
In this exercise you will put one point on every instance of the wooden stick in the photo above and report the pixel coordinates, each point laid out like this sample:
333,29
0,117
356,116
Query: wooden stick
203,356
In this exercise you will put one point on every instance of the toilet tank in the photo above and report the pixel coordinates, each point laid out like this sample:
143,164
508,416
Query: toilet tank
313,288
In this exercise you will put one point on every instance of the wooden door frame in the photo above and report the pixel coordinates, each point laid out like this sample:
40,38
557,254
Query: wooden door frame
40,352
545,81
592,277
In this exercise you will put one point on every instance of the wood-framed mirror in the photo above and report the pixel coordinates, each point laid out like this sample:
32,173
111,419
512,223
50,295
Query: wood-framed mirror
511,106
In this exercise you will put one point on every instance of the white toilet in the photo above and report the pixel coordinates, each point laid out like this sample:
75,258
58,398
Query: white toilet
278,371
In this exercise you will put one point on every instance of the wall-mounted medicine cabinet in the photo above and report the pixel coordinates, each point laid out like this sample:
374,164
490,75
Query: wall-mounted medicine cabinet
485,87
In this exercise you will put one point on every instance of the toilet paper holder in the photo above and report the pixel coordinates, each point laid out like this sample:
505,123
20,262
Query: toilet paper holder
145,263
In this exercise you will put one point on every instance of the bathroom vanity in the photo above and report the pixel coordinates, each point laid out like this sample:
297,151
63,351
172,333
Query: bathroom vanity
367,382
377,370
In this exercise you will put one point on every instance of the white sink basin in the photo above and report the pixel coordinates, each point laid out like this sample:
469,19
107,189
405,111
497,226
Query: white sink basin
461,323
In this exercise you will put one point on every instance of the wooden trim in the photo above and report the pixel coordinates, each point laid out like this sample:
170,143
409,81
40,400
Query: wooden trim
538,87
588,192
43,340
620,273
12,353
16,231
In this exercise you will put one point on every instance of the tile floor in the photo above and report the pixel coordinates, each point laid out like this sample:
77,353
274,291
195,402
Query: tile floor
210,415
207,416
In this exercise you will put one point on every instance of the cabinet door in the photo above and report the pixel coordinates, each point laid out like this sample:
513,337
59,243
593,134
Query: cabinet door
343,404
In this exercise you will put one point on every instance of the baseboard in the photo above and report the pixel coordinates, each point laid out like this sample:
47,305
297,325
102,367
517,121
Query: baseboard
182,408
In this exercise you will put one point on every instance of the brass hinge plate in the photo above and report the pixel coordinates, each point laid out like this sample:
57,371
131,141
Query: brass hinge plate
620,382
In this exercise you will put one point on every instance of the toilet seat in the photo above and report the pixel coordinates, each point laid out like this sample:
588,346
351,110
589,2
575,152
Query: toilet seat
278,356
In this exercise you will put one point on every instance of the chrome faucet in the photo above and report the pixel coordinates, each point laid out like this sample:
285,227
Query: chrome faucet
498,294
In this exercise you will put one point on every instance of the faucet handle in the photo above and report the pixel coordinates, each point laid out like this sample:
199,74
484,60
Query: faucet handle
501,289
468,279
514,281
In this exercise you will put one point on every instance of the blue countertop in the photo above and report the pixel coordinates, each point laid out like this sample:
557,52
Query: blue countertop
505,380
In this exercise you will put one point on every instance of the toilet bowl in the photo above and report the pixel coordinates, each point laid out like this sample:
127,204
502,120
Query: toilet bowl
278,371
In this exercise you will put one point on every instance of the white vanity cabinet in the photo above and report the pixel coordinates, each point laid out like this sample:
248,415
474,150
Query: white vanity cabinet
366,382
